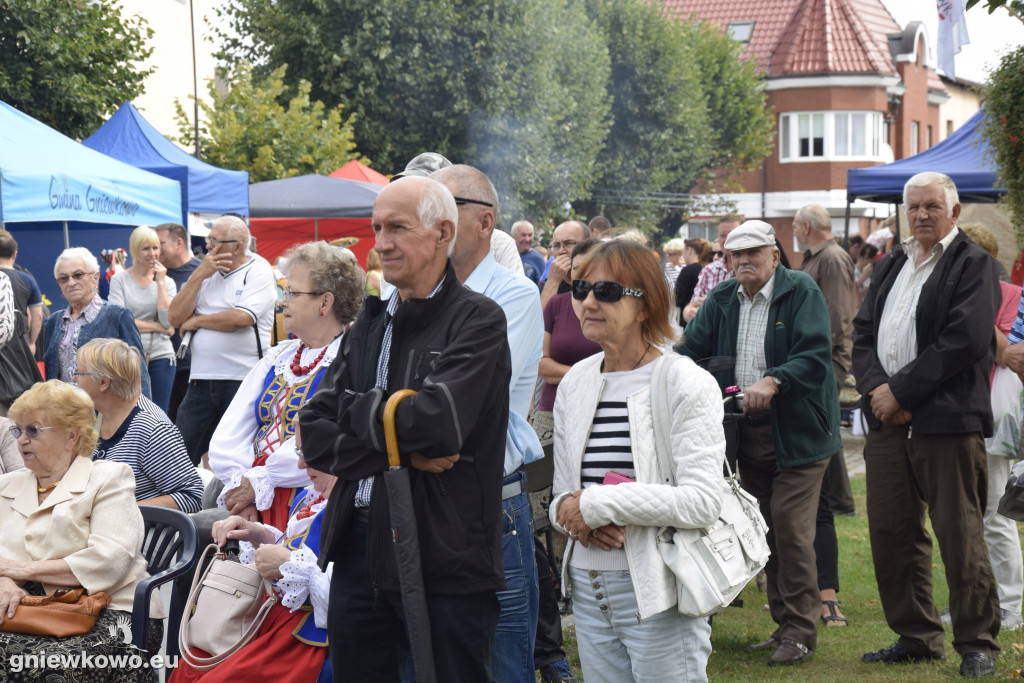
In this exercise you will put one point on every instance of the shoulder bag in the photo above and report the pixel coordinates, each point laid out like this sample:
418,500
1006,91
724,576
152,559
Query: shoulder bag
64,612
713,564
225,609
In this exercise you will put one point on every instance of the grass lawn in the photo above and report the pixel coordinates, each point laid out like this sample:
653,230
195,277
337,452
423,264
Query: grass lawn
839,649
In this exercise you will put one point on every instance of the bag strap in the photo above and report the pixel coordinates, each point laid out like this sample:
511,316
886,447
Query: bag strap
207,663
255,324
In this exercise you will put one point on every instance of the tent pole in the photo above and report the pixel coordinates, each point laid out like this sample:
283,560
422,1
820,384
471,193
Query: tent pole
316,229
67,240
896,238
846,233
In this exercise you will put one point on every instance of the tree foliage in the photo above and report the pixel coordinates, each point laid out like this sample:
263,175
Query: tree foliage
1003,127
1014,7
246,129
551,98
70,64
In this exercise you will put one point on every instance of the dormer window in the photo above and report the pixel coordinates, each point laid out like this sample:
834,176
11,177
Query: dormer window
740,31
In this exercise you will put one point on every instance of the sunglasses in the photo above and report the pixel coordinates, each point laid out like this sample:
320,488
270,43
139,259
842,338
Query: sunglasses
605,291
77,276
32,431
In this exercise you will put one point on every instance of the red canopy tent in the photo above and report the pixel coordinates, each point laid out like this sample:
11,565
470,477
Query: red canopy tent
354,170
312,207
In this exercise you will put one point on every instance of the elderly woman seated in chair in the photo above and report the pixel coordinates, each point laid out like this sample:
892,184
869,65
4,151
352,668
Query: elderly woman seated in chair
134,430
69,521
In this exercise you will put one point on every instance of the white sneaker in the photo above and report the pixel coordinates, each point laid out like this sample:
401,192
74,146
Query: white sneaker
1010,621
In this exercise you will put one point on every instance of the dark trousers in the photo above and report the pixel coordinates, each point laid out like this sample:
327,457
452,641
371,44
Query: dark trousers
789,502
826,545
367,633
548,647
946,476
205,403
836,486
178,390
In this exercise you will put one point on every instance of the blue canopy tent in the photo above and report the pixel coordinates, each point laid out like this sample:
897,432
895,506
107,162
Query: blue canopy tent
128,137
963,156
55,193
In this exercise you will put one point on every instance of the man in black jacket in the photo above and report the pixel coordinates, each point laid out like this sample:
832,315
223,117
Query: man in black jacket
923,350
448,343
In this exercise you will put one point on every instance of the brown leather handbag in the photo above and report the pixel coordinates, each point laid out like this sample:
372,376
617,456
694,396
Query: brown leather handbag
64,612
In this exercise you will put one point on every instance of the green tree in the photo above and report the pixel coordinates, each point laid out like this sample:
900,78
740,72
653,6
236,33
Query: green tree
246,129
1014,7
1003,127
516,87
70,63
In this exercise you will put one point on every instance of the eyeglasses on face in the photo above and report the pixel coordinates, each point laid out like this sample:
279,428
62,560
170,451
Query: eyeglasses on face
213,241
717,255
32,431
564,244
83,374
605,291
290,293
78,276
460,201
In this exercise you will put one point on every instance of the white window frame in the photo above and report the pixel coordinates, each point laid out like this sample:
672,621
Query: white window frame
873,130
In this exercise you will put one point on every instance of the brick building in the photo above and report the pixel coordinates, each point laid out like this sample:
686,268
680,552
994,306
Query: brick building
849,88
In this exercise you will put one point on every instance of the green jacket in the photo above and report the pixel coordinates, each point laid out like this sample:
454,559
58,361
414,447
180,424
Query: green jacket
797,347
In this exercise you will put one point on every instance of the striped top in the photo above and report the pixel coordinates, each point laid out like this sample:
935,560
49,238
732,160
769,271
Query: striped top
152,446
609,449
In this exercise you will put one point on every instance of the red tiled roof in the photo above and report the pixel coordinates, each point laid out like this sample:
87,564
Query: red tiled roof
803,37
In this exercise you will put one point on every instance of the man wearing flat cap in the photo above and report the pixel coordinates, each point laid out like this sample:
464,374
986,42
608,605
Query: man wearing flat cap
775,323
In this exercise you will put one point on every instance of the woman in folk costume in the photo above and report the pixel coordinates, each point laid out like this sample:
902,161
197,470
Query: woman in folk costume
291,645
252,450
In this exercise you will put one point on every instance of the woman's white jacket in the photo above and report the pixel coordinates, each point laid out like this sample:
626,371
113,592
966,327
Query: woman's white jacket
698,451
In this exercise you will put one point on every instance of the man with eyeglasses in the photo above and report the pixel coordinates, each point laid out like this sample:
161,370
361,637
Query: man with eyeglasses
224,313
566,236
513,653
775,323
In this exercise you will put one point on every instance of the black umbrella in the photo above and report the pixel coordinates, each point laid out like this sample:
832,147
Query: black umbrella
407,547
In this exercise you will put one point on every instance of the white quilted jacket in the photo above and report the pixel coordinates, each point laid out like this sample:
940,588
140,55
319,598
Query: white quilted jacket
698,449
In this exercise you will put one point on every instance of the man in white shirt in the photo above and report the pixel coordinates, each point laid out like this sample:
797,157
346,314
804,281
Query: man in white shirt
228,307
923,348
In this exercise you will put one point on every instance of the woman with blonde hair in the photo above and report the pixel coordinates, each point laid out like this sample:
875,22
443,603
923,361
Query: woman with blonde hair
69,521
134,431
146,291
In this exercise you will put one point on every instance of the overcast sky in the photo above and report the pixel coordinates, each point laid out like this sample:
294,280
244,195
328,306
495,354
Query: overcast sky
991,35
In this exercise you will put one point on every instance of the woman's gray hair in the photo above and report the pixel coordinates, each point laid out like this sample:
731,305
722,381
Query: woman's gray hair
334,270
930,178
81,253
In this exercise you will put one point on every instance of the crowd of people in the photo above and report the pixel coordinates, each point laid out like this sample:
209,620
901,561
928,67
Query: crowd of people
596,347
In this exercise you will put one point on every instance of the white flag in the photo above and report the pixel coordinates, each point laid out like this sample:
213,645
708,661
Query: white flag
952,34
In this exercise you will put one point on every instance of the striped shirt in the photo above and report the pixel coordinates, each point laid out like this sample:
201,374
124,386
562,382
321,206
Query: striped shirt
152,446
897,330
365,487
609,449
750,360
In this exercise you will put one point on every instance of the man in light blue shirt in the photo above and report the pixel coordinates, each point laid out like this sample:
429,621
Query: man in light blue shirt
512,653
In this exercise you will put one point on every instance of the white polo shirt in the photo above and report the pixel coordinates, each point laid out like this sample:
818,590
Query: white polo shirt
230,355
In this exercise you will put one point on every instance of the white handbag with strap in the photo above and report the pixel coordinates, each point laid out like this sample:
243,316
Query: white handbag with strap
225,609
712,564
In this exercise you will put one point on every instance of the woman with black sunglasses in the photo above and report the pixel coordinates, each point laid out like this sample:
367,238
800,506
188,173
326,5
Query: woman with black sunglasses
608,496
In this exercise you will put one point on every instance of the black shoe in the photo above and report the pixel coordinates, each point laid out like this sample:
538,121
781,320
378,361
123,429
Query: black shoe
976,664
770,644
790,652
897,653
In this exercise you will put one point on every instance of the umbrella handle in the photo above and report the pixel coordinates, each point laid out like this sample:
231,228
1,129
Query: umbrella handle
390,435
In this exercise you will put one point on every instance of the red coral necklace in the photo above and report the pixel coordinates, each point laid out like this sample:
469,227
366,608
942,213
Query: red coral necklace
301,370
